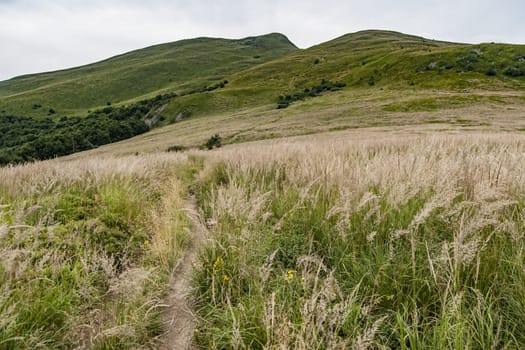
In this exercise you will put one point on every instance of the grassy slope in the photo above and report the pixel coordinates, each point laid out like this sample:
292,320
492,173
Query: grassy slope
179,66
388,59
416,81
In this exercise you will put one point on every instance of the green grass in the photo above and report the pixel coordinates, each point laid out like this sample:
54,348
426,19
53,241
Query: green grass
106,219
262,68
430,104
387,60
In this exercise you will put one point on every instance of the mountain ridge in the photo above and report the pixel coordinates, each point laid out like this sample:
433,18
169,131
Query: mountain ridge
105,60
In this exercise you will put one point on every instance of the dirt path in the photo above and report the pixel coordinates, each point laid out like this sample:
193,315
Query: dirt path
178,318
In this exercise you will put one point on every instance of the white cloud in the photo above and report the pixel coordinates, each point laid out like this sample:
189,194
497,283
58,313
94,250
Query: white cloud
40,35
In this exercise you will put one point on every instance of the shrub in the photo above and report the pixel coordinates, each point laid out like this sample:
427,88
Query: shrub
219,85
176,148
515,72
326,85
282,104
214,142
491,72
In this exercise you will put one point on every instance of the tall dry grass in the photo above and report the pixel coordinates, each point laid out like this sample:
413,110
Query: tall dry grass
378,243
87,248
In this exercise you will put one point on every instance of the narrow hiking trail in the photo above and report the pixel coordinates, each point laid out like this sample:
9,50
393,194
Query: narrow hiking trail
178,318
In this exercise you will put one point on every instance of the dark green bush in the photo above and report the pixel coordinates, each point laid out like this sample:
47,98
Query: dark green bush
176,148
491,72
317,90
219,85
515,72
214,142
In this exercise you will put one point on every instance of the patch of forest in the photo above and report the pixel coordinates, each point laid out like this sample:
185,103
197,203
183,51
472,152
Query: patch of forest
26,138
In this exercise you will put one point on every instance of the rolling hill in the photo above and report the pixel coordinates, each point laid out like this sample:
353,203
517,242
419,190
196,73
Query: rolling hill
206,85
361,60
182,66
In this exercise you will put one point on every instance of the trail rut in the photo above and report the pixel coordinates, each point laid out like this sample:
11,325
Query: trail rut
178,318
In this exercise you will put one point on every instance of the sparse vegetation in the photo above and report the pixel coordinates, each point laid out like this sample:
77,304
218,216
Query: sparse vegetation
314,91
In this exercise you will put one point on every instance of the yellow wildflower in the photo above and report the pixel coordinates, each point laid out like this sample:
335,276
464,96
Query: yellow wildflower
217,264
290,275
146,243
225,278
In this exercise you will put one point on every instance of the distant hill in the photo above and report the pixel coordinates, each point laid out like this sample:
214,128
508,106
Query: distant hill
57,113
372,58
179,66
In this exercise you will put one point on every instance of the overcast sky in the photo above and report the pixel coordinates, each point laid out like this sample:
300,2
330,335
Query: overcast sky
43,35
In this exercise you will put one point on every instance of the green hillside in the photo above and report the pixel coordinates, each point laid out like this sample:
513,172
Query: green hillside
179,66
367,78
378,59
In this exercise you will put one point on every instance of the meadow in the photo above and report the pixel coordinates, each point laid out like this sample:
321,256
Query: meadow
382,241
378,243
